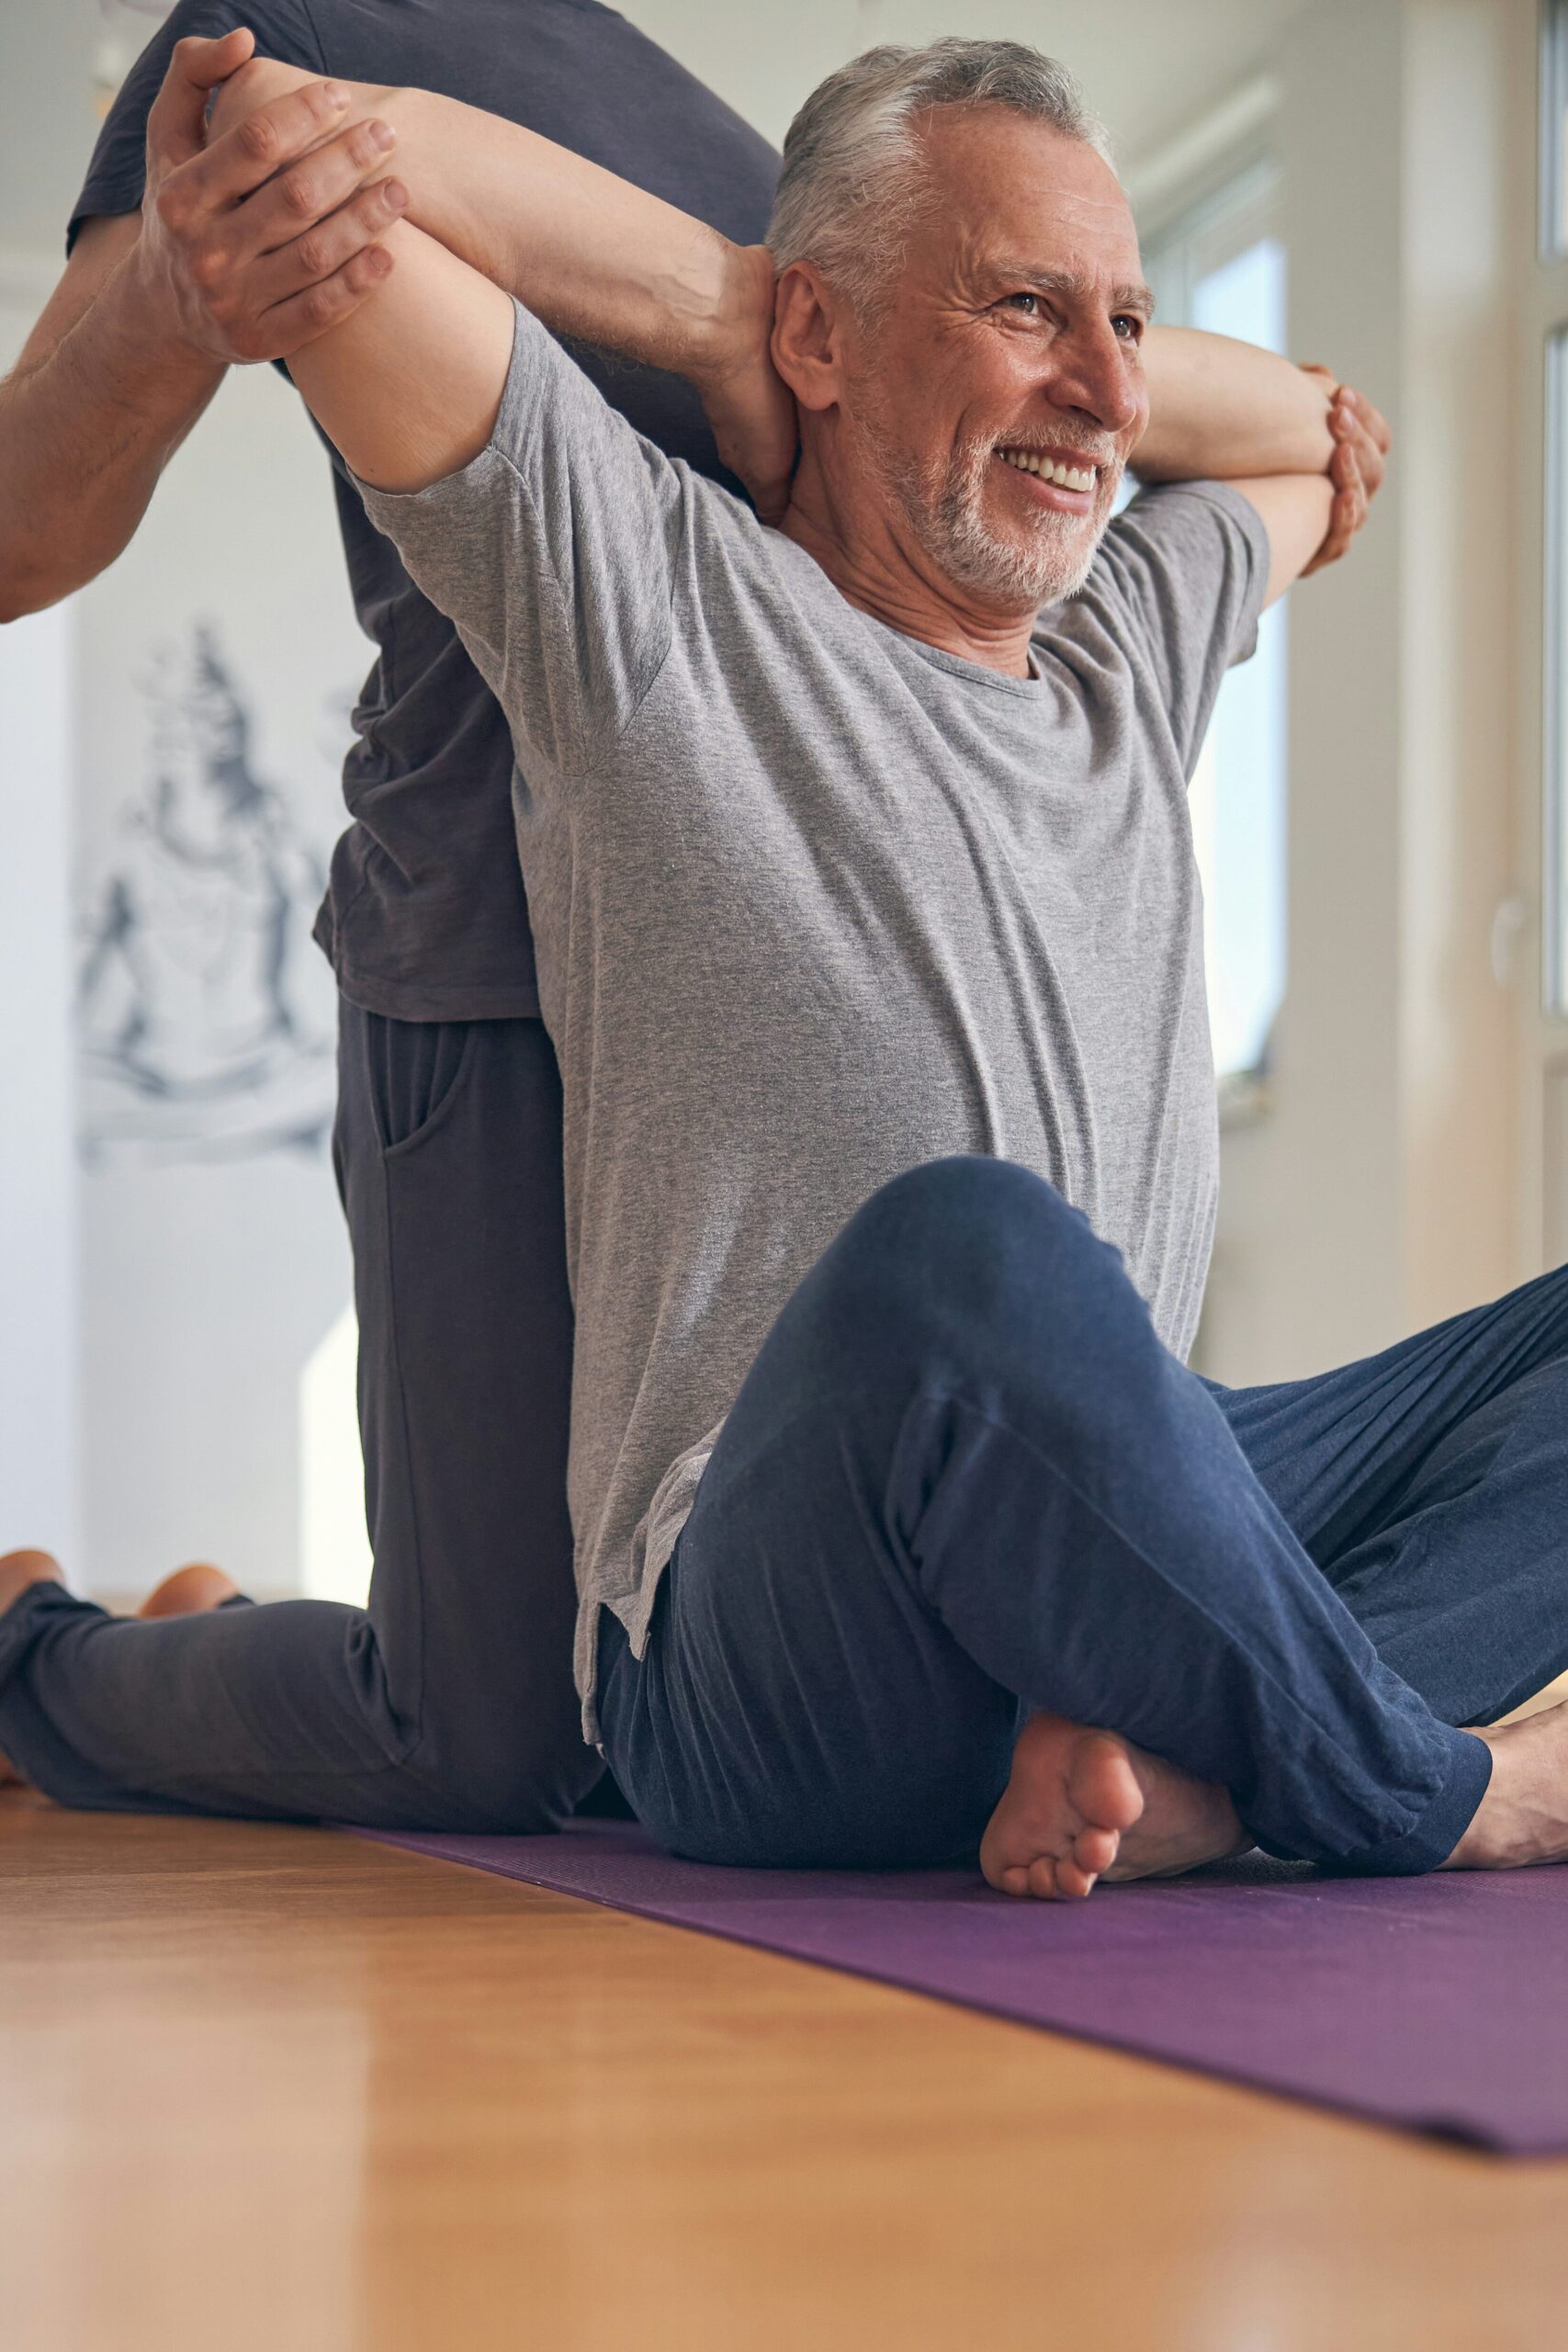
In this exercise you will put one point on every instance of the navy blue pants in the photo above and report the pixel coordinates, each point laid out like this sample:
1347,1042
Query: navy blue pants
447,1703
964,1480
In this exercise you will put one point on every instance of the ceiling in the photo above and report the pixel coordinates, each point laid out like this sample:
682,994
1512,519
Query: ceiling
1147,66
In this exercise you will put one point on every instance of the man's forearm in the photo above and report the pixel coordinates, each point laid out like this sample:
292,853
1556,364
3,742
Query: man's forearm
86,427
1221,411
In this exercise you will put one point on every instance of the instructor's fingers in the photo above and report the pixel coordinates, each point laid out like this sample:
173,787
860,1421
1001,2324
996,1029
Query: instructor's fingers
238,161
289,326
177,118
308,191
322,250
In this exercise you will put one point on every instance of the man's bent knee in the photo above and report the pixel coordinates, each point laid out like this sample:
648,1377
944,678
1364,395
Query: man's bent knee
962,1234
968,1267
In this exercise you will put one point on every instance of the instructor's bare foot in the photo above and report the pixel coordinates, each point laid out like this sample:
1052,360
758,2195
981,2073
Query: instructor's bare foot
1082,1805
20,1571
190,1591
1523,1817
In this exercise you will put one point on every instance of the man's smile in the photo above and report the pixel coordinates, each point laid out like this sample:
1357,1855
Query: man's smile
1053,479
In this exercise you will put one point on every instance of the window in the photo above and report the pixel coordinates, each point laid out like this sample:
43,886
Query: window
1222,267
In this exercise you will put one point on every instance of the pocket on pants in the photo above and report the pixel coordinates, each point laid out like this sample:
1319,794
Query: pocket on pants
416,1071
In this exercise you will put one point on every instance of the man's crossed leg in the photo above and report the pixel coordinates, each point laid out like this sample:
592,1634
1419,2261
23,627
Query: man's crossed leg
966,1492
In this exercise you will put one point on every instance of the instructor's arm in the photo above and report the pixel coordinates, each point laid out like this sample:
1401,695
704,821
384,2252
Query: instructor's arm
218,265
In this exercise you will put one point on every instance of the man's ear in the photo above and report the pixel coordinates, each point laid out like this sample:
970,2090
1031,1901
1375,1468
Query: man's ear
809,321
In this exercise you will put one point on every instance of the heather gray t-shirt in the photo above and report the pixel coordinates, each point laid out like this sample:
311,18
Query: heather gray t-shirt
813,903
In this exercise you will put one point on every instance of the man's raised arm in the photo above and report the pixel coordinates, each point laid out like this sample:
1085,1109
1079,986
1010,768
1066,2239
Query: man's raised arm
154,305
407,388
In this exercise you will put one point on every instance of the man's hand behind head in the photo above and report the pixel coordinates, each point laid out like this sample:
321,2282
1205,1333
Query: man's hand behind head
259,224
749,407
1361,444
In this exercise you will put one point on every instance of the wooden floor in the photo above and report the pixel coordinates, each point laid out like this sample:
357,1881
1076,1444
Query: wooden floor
266,2087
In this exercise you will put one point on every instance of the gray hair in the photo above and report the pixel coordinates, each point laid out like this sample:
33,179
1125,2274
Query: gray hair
853,179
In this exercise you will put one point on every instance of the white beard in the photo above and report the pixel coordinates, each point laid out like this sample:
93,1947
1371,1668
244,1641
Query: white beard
945,507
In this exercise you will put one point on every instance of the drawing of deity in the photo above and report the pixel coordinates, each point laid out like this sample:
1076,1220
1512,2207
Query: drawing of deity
201,1032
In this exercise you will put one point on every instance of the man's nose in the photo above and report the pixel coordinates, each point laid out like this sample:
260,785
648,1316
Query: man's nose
1094,376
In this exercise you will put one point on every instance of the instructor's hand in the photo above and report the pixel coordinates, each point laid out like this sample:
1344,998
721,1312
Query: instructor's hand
257,239
747,403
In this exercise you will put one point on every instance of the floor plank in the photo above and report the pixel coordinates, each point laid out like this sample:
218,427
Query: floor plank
272,2088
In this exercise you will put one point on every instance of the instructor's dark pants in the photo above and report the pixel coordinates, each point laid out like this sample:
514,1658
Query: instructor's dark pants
448,1702
963,1480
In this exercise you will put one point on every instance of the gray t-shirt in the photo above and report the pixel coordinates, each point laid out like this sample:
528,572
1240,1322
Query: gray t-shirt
813,903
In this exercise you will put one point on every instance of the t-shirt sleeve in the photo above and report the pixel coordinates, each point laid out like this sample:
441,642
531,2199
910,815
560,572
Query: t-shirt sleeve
554,553
1181,576
283,31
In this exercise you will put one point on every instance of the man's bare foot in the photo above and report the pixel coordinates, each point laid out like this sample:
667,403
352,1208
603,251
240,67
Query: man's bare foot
20,1571
188,1591
1082,1805
1523,1817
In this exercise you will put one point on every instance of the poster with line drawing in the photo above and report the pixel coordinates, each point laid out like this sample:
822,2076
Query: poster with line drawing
205,1026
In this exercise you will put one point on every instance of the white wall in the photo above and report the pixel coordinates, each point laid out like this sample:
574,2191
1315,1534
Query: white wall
1379,1194
38,1187
210,1274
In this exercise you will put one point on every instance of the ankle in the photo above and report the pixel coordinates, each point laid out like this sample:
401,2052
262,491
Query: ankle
1523,1814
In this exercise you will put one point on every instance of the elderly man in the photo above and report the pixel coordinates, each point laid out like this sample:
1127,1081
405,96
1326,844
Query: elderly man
868,944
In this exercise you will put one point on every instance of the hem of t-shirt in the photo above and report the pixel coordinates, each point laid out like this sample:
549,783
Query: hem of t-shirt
634,1612
399,997
410,1000
416,1001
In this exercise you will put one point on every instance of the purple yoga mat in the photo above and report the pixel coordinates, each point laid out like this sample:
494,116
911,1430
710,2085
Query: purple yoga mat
1436,2004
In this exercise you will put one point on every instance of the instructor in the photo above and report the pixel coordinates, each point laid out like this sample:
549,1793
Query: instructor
448,1143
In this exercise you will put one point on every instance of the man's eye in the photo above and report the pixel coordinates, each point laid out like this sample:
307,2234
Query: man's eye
1033,301
1129,326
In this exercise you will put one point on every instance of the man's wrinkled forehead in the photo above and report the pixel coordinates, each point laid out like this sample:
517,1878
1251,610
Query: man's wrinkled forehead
1010,196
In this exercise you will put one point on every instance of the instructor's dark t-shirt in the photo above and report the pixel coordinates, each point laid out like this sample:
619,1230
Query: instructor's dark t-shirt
424,917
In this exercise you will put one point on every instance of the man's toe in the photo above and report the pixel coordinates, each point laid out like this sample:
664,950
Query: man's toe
1094,1850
